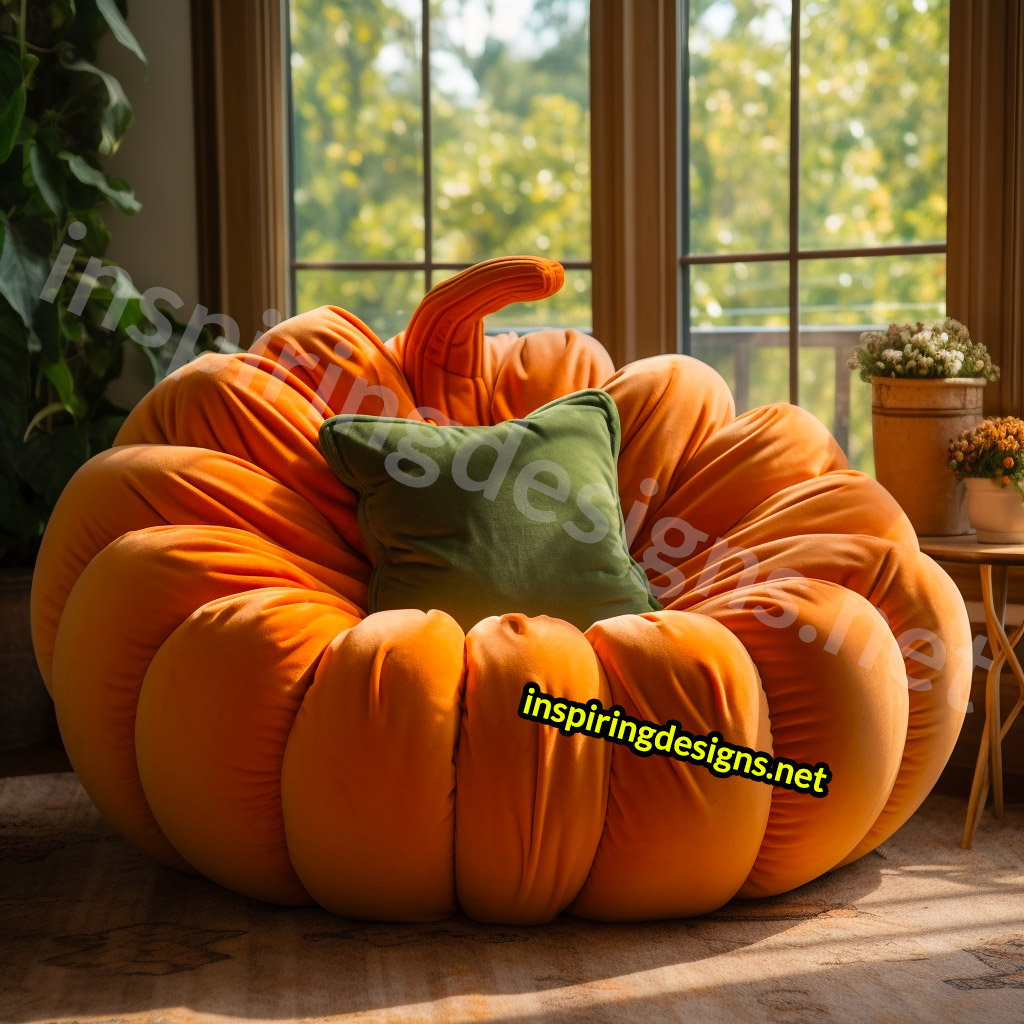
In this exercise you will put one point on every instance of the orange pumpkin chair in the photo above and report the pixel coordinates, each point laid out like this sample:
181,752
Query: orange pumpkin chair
199,614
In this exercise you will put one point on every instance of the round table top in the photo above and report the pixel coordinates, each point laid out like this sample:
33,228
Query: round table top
970,549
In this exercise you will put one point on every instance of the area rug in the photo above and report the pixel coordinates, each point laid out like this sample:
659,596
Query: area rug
91,930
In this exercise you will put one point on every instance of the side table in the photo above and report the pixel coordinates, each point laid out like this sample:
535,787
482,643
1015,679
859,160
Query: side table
994,561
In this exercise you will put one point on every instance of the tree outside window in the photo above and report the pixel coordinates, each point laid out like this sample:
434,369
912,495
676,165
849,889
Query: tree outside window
406,170
815,134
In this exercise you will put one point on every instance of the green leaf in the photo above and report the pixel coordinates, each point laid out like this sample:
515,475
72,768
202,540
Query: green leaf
133,315
46,328
100,358
102,299
12,106
23,273
118,113
97,237
46,172
46,462
123,198
122,33
59,375
71,327
26,131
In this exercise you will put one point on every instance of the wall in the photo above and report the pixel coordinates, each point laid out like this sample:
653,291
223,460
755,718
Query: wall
158,246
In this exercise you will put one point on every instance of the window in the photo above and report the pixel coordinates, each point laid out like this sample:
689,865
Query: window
813,199
428,135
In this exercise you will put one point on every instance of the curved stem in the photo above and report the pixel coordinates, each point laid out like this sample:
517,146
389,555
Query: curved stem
447,328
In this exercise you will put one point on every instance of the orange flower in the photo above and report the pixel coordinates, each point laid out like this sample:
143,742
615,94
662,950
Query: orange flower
1008,462
1006,480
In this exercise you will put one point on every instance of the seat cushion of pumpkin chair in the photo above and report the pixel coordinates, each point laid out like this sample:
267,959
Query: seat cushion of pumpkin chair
236,704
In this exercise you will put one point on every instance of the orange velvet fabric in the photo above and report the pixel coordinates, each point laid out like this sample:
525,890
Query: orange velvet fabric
199,615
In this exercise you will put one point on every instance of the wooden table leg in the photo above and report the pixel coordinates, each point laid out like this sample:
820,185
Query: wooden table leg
988,770
994,581
983,765
979,792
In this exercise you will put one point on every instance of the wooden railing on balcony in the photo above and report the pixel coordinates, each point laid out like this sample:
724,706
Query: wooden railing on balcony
742,342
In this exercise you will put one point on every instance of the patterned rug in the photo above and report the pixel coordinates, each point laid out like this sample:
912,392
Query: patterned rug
91,930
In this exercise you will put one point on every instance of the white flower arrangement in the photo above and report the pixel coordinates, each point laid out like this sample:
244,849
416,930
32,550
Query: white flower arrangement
941,348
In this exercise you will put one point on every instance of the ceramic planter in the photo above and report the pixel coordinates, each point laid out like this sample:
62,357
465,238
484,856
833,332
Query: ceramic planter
913,422
26,711
996,512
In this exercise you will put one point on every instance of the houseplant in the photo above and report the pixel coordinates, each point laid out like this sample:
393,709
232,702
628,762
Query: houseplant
927,381
990,460
60,117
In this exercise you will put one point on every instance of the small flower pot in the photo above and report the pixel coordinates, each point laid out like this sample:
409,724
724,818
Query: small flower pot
913,422
996,512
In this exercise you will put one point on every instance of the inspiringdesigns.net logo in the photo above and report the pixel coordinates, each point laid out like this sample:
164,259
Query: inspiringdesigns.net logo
671,740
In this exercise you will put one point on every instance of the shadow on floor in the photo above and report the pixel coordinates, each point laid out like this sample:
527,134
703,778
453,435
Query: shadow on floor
93,928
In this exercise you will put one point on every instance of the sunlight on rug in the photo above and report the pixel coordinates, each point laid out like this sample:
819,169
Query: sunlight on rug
92,930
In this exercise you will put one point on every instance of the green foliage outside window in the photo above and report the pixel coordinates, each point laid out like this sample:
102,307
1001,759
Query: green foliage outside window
510,155
510,145
874,80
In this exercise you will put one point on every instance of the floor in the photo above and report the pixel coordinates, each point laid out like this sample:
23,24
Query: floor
91,930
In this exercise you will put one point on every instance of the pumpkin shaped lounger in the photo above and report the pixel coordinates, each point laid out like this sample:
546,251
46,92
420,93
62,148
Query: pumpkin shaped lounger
200,615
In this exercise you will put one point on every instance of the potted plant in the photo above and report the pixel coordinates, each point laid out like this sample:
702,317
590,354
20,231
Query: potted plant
60,117
926,382
990,460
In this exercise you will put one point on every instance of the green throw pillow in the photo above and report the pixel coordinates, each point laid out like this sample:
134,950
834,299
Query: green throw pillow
520,517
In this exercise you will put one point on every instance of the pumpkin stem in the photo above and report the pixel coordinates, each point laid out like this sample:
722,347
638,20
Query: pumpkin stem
447,326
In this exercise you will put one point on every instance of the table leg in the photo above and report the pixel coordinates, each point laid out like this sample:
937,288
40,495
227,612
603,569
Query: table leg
979,792
994,580
988,770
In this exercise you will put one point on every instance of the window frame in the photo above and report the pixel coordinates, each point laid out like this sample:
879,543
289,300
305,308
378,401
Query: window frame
985,184
985,191
794,255
241,164
636,73
428,265
634,90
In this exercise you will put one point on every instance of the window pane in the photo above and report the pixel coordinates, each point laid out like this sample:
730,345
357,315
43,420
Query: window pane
859,290
570,307
358,132
874,84
510,128
739,125
839,299
834,393
383,299
739,315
